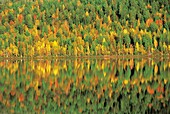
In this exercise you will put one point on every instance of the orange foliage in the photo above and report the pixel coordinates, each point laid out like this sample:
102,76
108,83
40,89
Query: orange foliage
21,97
67,89
35,16
149,21
149,6
13,92
1,97
150,90
160,96
160,89
159,22
11,22
0,17
36,97
150,105
51,83
56,84
20,18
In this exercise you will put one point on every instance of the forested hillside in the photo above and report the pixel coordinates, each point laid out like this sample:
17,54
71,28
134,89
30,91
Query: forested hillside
84,27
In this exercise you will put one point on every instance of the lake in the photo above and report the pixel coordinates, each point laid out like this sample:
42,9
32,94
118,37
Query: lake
85,86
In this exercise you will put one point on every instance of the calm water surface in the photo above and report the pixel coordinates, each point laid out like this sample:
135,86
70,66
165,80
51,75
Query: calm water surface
85,86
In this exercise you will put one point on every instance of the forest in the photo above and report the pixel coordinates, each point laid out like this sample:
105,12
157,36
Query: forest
84,56
84,28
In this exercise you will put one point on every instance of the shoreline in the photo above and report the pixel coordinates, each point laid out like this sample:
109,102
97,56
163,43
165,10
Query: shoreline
165,56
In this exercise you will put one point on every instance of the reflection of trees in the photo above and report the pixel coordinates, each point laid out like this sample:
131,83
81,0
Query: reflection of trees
84,85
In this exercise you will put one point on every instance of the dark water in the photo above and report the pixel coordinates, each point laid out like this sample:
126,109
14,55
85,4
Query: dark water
85,86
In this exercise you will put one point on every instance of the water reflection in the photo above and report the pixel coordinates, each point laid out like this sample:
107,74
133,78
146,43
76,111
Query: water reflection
85,85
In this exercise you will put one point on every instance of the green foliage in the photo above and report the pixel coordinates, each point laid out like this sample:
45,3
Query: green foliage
146,14
91,20
11,16
127,40
153,27
29,21
147,41
20,28
2,29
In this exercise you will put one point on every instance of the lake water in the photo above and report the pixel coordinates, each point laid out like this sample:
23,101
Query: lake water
85,86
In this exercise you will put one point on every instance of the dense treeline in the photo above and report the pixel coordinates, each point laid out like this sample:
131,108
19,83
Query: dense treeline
84,27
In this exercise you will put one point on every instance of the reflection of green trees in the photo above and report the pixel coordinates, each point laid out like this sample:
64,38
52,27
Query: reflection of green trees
84,86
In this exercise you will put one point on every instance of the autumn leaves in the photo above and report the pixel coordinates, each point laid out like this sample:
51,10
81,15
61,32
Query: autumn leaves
80,28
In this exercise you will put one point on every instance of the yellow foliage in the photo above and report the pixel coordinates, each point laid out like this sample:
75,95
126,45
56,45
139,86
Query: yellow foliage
55,70
97,17
78,3
10,4
15,51
164,46
63,6
149,34
125,31
155,43
75,51
109,19
125,82
37,22
64,65
25,28
113,33
55,44
135,81
138,22
165,81
103,65
132,30
114,79
156,69
104,40
137,46
31,51
1,53
142,32
57,12
88,49
15,67
164,31
87,13
9,51
127,22
53,16
48,68
20,9
63,50
169,47
137,66
104,73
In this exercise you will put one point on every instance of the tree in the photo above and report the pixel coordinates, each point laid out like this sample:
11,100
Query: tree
127,40
2,29
11,16
153,27
29,21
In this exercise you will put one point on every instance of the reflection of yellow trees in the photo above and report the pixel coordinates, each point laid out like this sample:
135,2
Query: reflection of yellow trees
46,68
61,76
